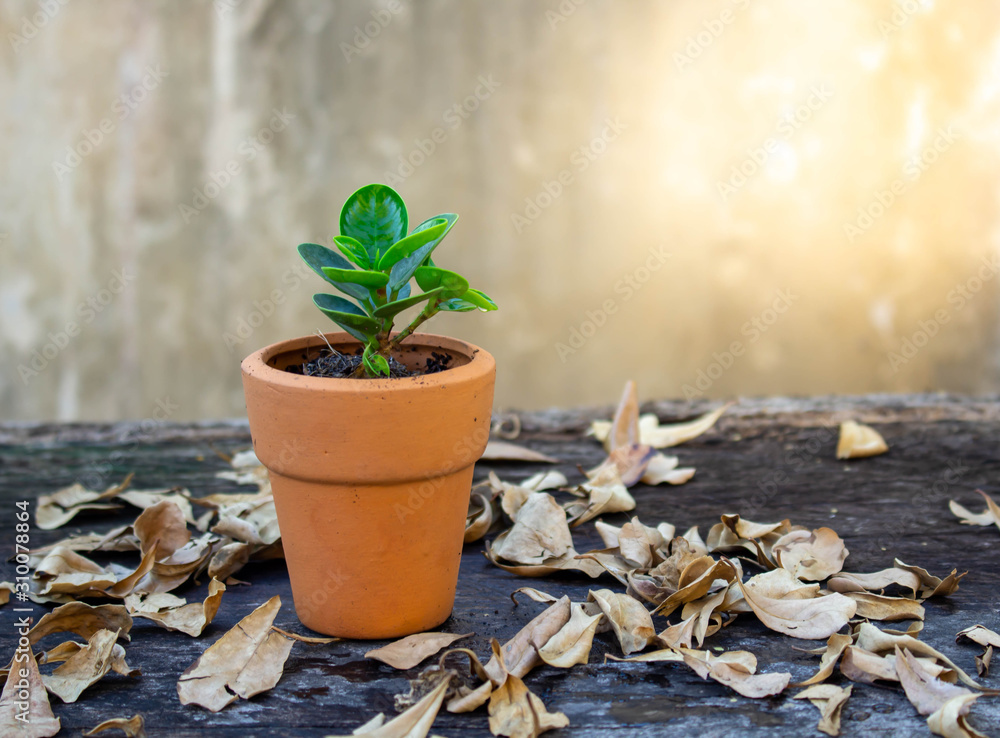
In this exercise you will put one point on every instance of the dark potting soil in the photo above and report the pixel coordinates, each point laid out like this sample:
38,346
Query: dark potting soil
342,366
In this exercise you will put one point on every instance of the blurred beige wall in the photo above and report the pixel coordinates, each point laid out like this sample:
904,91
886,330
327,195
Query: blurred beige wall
729,197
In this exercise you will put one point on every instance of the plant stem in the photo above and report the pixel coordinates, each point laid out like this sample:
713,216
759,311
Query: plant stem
428,312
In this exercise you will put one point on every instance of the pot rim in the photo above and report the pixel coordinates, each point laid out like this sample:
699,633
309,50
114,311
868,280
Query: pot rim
256,364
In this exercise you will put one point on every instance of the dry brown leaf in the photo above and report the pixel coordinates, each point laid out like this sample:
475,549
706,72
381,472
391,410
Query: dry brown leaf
133,727
872,639
253,522
190,619
983,662
980,634
517,712
810,555
504,451
950,721
30,715
879,607
697,579
247,660
6,590
83,619
569,562
835,646
679,635
540,532
858,441
626,464
64,571
600,497
662,469
865,667
736,670
876,581
651,433
670,655
812,619
415,722
572,643
930,585
229,559
480,517
171,572
830,700
58,508
519,655
927,693
989,516
630,620
83,668
161,525
410,651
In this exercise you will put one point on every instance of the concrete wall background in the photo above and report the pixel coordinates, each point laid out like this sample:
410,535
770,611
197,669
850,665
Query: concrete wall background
647,109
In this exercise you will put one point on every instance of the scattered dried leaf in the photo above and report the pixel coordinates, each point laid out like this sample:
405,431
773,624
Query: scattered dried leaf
133,727
950,721
410,651
247,660
517,712
830,700
926,692
504,451
190,619
989,516
83,668
27,716
572,643
816,618
858,441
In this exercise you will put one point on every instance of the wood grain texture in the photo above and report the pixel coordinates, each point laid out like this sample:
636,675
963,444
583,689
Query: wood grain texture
892,505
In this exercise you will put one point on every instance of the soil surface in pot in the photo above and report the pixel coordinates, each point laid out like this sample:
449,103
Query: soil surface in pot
332,363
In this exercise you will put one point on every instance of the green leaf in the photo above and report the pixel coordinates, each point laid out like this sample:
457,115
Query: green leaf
376,216
480,299
411,243
453,284
353,249
376,364
402,271
320,257
456,305
347,315
371,280
392,309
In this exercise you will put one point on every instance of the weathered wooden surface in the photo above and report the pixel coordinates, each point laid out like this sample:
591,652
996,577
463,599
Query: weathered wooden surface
766,460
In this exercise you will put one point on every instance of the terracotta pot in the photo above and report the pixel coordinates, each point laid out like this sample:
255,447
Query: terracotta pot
371,480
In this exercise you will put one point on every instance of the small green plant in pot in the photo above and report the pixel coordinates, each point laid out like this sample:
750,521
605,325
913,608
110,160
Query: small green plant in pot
378,263
371,466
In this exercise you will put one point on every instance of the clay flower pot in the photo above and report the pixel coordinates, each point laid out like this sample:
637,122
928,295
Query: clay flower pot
371,480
